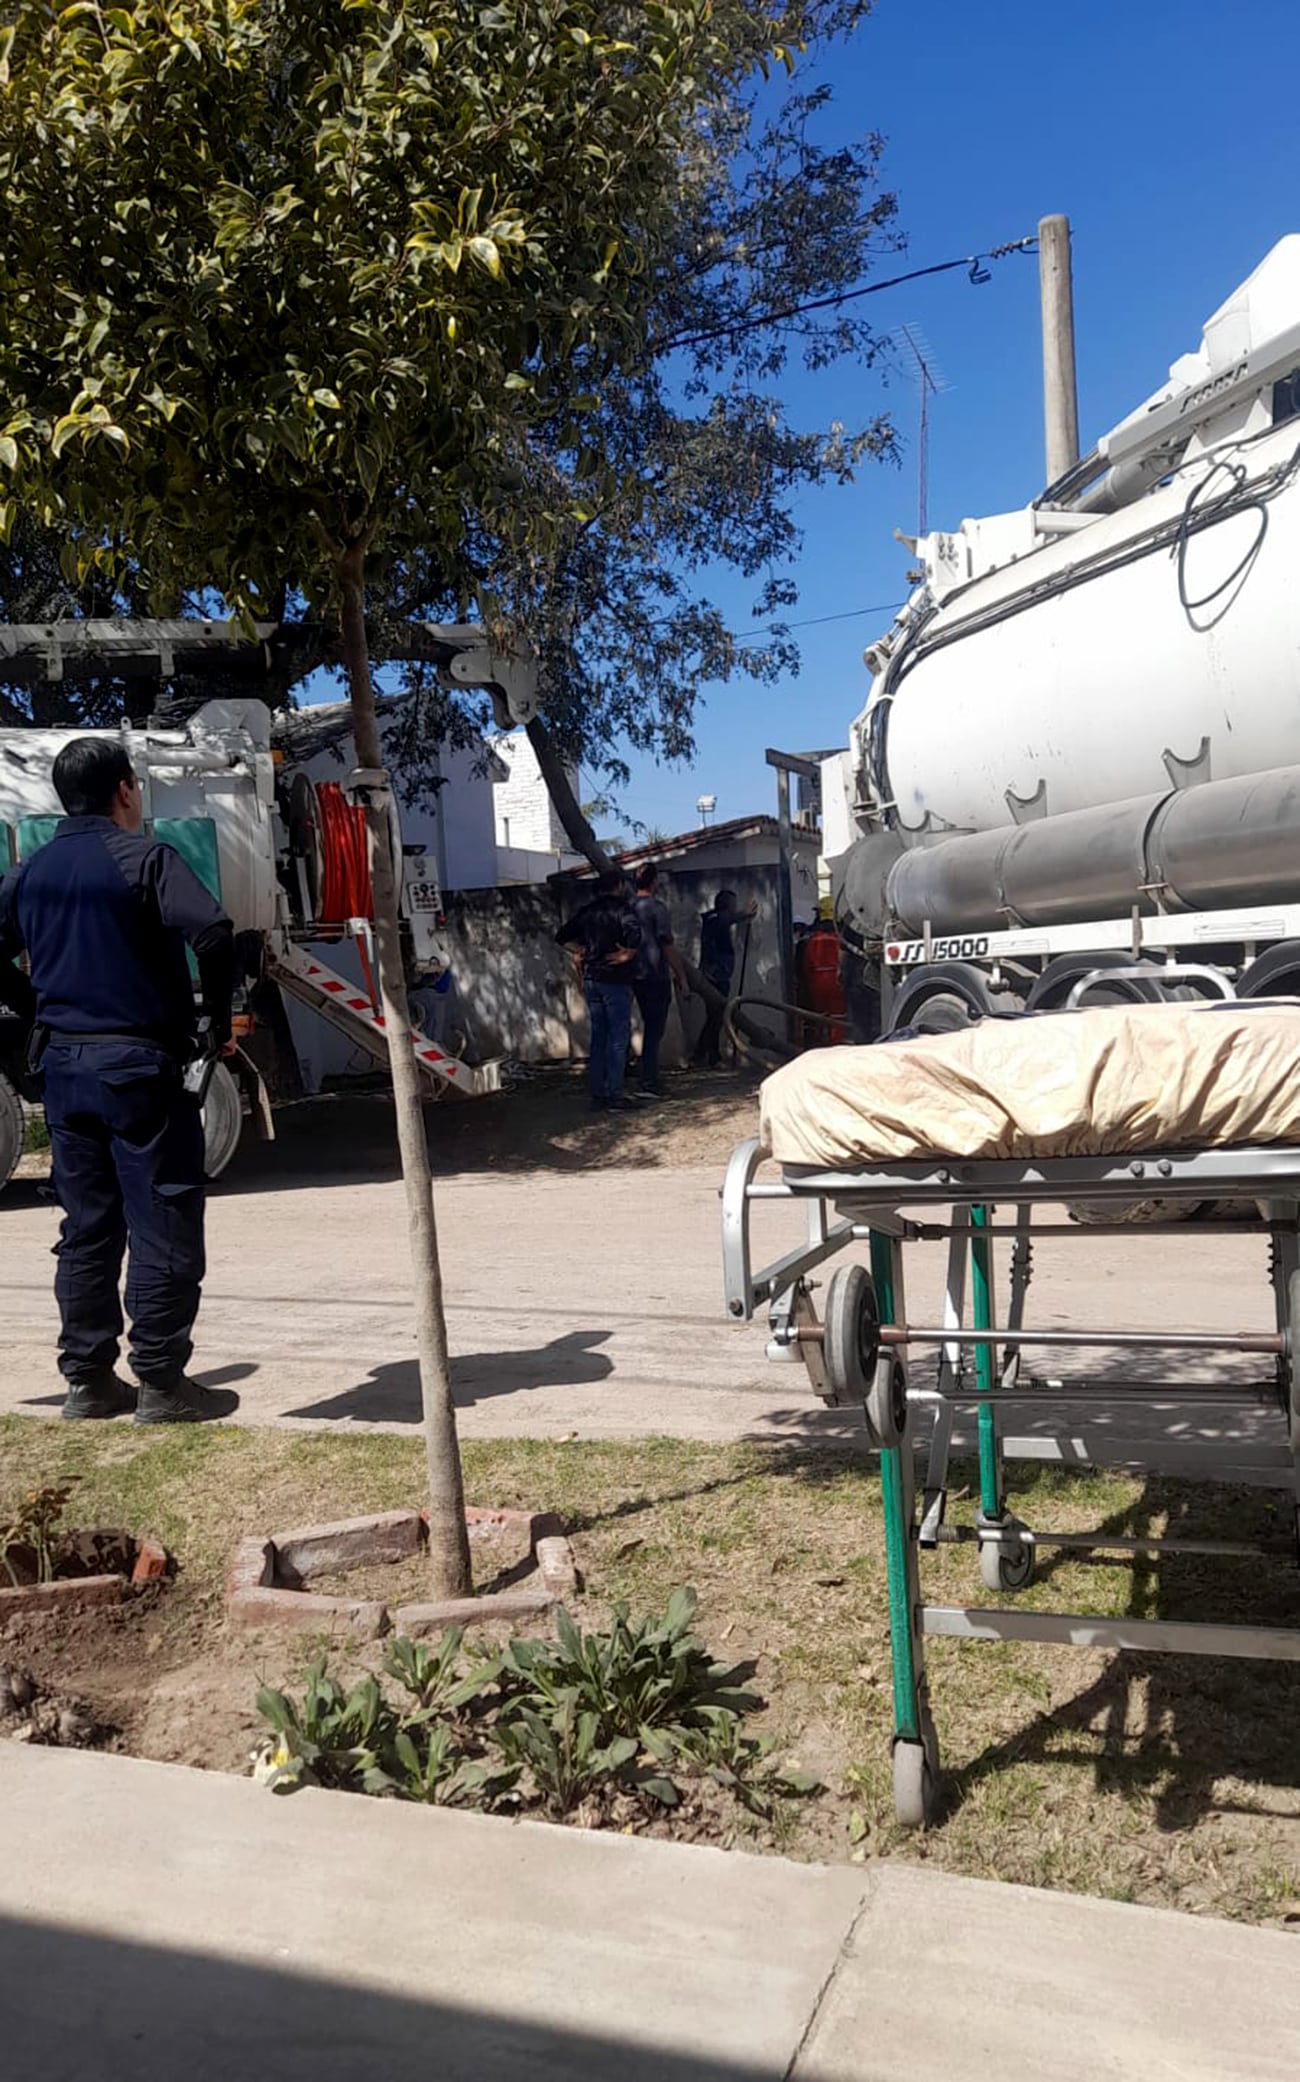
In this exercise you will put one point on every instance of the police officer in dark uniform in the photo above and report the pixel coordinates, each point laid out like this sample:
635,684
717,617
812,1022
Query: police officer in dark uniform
105,915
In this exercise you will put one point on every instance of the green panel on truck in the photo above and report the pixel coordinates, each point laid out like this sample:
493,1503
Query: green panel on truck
33,833
194,838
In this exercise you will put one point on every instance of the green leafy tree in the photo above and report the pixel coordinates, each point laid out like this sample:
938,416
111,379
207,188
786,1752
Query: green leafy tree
691,464
287,286
703,467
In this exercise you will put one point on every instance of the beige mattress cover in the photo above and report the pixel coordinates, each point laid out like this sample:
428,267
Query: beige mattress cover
1066,1084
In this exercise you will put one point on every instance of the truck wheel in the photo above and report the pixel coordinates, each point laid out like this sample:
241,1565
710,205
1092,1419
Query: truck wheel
1050,990
1276,974
223,1121
12,1128
943,997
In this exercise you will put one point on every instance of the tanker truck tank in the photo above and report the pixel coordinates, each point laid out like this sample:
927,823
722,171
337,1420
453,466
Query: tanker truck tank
1090,709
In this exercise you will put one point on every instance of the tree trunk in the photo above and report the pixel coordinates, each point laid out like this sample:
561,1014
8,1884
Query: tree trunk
579,832
448,1540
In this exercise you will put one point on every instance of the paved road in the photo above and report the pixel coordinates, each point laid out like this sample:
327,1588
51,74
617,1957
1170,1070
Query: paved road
589,1302
159,1922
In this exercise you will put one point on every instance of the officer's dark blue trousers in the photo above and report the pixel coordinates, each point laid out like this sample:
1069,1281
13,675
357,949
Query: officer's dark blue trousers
126,1141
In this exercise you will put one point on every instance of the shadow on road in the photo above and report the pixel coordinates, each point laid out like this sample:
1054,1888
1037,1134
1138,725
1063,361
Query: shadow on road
208,1377
391,1395
348,1138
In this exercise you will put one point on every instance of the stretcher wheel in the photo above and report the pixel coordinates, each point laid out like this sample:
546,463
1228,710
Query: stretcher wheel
916,1784
886,1403
223,1121
852,1334
1007,1564
1293,1369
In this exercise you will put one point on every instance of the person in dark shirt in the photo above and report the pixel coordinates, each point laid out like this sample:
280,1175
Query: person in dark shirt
659,967
605,937
718,964
105,915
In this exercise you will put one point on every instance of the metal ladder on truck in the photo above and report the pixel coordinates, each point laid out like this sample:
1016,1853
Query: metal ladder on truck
349,1008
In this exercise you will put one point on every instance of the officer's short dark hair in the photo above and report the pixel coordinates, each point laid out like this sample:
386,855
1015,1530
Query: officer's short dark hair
647,875
88,774
613,883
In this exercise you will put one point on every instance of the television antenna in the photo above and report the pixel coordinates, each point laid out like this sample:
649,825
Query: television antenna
931,383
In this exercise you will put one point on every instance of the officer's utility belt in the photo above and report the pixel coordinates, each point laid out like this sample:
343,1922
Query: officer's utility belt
62,1040
45,1037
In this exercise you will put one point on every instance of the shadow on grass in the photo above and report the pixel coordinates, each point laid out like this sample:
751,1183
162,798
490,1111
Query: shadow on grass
1177,1726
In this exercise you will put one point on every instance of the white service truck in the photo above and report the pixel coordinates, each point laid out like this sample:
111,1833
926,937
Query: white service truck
281,850
1080,752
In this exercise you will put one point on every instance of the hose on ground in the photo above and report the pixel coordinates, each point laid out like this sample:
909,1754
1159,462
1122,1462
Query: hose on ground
776,1050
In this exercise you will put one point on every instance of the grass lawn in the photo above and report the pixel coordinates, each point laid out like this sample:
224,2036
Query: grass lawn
1146,1778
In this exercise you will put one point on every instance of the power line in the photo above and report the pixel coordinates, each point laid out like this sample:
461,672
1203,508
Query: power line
848,614
972,262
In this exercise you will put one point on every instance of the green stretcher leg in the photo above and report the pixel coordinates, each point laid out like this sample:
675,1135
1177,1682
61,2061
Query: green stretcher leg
982,1318
898,1531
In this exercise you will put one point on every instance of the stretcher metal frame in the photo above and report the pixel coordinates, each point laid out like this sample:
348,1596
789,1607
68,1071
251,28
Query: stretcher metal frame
860,1351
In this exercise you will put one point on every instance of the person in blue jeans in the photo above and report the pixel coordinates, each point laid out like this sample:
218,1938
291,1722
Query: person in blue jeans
605,938
105,914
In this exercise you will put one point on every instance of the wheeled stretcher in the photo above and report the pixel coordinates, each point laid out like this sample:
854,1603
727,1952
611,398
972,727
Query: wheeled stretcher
859,1347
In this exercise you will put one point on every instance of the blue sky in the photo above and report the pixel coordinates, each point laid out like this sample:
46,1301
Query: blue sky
1167,133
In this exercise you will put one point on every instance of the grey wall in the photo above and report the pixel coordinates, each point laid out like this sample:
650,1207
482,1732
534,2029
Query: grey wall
517,994
516,990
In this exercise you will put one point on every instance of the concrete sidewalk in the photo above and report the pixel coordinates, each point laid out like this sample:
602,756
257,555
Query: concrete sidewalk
157,1923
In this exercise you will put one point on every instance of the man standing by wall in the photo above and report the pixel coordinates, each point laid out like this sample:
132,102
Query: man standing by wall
718,964
105,915
605,937
659,967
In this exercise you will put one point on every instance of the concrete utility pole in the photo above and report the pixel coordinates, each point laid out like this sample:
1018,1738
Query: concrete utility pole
1060,398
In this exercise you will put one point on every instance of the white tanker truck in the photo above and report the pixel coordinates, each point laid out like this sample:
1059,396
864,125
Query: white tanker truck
283,852
1078,769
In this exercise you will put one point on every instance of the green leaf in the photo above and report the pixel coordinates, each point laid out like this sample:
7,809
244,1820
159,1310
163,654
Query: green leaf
275,1708
486,252
64,431
792,1781
661,1789
328,397
8,452
407,1754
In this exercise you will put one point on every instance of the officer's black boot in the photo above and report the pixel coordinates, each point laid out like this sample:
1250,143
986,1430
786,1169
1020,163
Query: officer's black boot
105,1397
185,1402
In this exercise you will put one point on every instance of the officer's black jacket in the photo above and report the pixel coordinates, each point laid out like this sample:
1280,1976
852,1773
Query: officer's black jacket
105,916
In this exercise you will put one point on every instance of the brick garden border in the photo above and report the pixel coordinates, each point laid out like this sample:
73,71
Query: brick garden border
83,1593
269,1579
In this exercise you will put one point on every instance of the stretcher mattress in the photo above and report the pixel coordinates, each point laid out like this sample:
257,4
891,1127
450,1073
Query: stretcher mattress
1062,1084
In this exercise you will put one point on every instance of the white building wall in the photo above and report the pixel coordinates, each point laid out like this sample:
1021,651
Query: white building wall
525,815
467,807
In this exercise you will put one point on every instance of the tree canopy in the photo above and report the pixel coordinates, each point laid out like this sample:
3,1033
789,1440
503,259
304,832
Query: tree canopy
643,441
